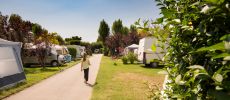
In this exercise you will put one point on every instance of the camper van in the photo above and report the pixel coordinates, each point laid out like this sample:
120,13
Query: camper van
146,55
54,56
80,50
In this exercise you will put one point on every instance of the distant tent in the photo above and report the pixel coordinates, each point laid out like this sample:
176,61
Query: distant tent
11,69
132,48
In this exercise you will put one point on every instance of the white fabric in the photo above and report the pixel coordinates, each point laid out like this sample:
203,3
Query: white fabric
8,63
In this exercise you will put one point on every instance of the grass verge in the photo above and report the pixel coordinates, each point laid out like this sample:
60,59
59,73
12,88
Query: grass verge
33,76
116,81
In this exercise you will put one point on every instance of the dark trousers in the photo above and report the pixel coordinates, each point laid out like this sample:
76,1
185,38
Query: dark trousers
86,74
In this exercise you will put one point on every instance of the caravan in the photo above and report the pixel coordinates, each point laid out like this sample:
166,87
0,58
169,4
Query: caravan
145,53
54,55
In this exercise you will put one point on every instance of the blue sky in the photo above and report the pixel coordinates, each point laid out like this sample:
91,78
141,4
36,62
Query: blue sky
80,17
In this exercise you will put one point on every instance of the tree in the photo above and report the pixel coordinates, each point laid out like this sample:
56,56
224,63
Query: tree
16,22
133,28
117,27
60,40
198,54
75,40
3,26
37,30
125,30
103,31
96,45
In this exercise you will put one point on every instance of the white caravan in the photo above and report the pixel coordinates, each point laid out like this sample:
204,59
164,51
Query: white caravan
146,55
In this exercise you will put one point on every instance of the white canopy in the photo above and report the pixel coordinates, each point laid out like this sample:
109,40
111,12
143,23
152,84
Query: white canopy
133,46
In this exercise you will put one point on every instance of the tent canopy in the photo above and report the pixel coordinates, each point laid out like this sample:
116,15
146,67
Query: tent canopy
133,46
11,69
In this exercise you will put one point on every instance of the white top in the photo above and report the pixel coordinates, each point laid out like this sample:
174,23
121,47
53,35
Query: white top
85,64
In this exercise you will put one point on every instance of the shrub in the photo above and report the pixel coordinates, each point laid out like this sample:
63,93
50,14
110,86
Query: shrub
131,57
72,52
124,59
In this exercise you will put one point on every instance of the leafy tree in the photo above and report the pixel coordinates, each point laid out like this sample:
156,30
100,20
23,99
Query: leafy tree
96,45
60,40
198,53
117,27
75,40
103,31
3,26
133,28
125,30
37,30
16,22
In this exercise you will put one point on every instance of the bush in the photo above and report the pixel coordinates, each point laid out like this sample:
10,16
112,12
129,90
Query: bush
124,59
72,52
131,57
105,51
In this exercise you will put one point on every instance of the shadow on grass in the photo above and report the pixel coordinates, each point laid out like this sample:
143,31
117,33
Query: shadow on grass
149,67
39,70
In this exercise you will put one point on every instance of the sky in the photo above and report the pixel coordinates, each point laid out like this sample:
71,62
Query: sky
80,17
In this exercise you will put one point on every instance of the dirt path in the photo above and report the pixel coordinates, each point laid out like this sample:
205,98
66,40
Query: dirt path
67,85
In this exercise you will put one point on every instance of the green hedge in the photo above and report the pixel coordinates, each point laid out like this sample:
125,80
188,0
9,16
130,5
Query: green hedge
72,52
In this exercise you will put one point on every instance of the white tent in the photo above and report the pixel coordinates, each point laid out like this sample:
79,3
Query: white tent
11,69
132,48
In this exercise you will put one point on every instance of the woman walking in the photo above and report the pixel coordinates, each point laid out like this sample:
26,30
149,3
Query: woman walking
85,66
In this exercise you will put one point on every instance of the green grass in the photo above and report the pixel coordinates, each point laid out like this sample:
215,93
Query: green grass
33,76
124,82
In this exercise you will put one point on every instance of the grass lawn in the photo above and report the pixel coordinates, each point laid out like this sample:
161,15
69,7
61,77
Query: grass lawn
124,82
33,76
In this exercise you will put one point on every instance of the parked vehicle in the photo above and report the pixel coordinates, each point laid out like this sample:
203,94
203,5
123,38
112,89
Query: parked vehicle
146,55
80,50
54,56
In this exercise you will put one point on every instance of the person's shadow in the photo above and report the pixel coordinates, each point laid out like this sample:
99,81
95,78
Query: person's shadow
91,85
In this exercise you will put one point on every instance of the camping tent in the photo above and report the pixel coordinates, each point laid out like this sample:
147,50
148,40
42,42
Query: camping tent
132,48
11,69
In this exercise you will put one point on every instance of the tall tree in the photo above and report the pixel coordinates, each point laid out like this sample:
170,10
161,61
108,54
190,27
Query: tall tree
133,28
75,40
37,30
16,22
103,31
3,26
125,30
117,27
60,40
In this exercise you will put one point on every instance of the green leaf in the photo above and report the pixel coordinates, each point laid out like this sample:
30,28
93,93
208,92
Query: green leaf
218,77
222,55
227,58
196,67
218,46
153,47
159,21
219,88
218,2
179,81
138,22
225,37
167,13
146,23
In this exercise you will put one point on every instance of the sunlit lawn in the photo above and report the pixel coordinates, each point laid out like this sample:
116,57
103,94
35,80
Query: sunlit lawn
124,82
35,75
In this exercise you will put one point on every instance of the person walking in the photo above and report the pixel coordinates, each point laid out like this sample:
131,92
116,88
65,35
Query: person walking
85,66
